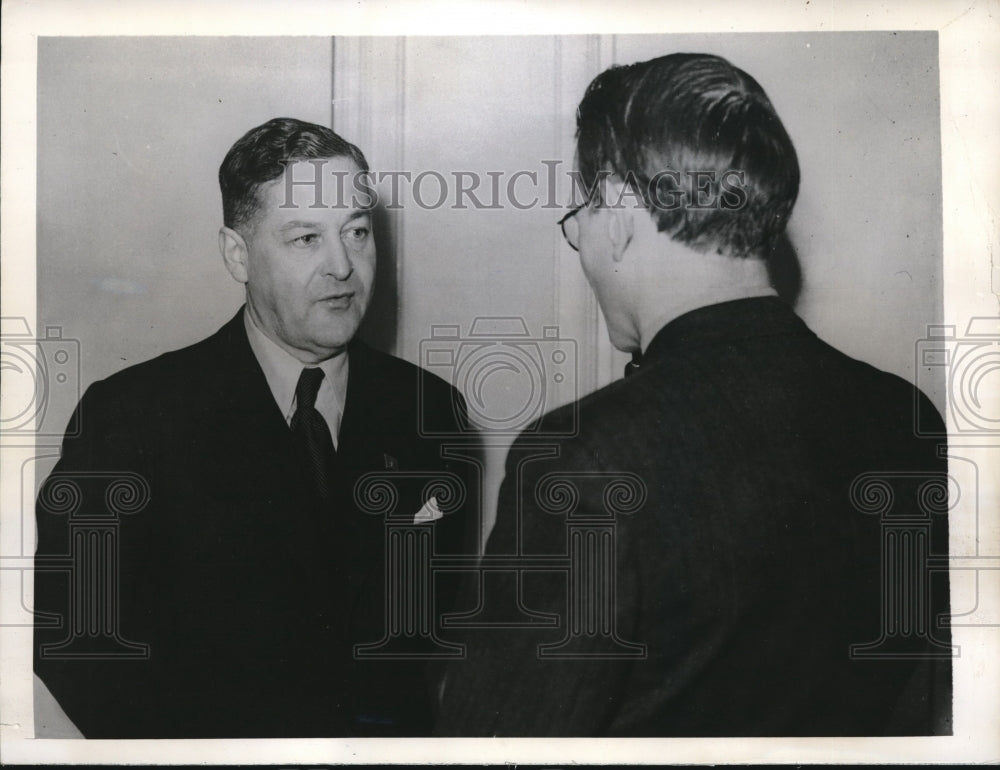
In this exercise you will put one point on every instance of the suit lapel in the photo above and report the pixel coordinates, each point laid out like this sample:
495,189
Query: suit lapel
345,542
363,447
362,431
250,426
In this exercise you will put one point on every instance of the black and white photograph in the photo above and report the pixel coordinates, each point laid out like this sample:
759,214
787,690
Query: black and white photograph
380,375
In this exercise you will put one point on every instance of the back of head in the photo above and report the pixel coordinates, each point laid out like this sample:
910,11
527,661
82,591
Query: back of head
262,154
699,140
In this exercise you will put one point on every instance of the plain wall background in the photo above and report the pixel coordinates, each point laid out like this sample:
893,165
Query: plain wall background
131,132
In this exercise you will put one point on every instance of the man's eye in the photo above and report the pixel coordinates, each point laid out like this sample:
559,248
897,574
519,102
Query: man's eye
357,234
306,240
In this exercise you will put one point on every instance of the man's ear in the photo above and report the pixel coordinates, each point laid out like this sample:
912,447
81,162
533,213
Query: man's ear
621,228
621,202
234,253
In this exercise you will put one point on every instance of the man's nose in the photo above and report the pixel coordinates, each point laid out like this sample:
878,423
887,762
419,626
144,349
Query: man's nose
337,260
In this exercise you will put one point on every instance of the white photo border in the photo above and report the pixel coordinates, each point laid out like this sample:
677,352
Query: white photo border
969,49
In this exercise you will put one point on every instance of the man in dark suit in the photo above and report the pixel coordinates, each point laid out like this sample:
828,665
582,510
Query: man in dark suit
741,538
228,570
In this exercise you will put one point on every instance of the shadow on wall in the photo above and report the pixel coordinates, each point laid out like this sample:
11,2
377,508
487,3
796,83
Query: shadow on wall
379,326
785,270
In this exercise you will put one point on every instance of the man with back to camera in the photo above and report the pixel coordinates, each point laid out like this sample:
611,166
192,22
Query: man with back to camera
746,593
252,572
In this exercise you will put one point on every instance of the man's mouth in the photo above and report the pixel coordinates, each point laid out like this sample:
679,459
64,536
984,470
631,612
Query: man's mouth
338,301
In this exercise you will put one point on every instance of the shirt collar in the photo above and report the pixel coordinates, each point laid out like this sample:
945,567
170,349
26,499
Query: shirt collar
282,371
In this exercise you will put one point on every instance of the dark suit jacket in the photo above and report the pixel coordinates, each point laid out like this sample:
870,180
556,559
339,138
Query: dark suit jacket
748,572
249,593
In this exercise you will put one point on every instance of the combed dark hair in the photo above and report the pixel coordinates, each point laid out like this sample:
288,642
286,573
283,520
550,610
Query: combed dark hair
261,155
692,113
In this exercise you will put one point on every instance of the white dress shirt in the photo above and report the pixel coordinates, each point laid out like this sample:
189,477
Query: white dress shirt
282,371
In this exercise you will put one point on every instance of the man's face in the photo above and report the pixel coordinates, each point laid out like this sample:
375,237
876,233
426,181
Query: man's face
310,269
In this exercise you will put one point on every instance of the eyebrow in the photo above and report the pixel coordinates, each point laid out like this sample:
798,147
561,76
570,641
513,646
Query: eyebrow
305,224
297,223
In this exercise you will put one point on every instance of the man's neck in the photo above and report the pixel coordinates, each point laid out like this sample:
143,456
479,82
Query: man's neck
714,282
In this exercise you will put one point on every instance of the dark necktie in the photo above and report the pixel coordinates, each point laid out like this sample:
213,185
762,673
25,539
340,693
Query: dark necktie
633,366
311,431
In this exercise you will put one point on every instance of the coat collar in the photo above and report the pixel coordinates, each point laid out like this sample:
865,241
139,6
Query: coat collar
725,323
246,385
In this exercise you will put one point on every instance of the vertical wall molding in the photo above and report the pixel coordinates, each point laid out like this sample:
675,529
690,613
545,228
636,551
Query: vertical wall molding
573,302
610,361
368,108
578,59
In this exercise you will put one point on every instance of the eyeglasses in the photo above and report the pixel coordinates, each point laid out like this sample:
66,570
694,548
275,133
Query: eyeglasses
571,227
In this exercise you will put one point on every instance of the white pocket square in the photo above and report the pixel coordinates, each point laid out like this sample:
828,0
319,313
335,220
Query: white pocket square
430,512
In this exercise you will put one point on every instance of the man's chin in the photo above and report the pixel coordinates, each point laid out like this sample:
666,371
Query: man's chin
334,327
329,348
332,344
